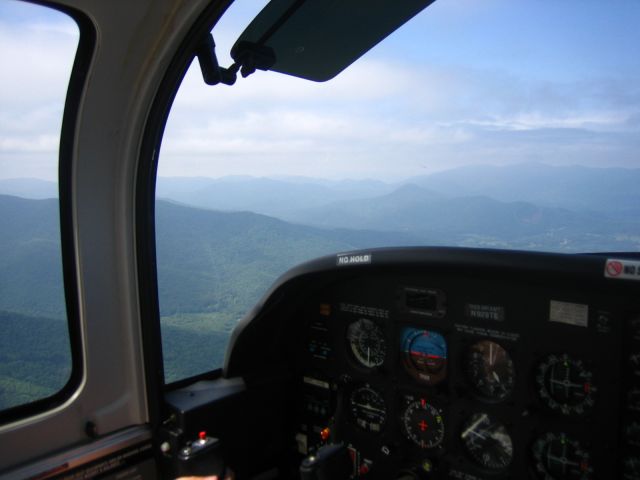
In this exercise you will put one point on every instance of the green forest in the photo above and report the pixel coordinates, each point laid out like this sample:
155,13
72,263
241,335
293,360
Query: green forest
35,359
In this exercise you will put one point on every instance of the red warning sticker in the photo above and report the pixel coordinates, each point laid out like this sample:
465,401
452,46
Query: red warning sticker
622,269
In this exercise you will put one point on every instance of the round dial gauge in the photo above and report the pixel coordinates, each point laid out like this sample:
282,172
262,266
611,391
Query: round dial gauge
487,442
557,457
367,343
368,409
634,364
424,355
631,468
423,424
564,385
633,400
490,370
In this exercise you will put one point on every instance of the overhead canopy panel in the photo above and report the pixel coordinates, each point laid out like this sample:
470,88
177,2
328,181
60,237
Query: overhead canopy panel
317,39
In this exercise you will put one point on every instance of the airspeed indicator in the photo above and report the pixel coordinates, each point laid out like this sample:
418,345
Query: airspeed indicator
367,343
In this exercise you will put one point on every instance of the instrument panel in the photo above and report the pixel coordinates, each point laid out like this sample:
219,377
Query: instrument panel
436,373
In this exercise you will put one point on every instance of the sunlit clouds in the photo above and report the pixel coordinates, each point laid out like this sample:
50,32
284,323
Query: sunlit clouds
408,122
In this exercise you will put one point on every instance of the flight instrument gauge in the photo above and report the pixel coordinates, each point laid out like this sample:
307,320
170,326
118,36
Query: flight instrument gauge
424,355
423,424
367,343
565,385
368,409
631,468
557,457
487,442
490,370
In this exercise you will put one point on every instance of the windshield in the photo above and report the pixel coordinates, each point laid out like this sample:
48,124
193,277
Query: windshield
493,124
490,124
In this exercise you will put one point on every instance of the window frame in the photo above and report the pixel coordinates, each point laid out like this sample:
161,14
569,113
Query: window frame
81,63
146,177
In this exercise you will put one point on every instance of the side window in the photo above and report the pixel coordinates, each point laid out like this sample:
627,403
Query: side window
37,49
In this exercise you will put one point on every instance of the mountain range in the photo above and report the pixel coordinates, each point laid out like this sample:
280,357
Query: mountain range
222,242
613,192
610,191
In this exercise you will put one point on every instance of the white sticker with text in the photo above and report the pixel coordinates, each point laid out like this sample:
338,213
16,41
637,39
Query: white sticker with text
353,259
622,269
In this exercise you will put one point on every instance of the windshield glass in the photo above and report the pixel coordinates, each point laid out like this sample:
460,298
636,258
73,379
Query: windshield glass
493,124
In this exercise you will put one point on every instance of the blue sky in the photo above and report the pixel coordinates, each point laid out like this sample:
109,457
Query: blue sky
538,38
465,82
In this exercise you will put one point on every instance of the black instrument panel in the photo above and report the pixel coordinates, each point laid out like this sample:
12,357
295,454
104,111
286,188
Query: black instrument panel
514,366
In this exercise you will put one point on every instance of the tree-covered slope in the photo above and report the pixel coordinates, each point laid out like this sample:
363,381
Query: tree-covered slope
30,258
35,359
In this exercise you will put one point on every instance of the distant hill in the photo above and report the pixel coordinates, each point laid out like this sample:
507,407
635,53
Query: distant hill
268,196
479,221
29,188
613,191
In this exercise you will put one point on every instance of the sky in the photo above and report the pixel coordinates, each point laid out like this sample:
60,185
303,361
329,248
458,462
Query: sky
465,82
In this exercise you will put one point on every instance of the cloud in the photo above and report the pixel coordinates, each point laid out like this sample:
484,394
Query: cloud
37,57
405,117
37,64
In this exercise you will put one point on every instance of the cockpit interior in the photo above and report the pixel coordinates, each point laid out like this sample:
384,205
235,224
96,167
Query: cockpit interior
397,362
